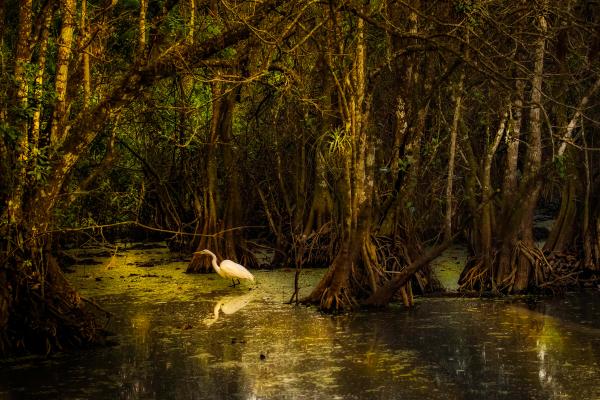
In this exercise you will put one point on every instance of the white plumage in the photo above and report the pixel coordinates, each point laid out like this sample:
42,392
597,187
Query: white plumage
228,269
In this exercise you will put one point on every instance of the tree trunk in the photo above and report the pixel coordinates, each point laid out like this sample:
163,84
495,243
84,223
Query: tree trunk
505,261
561,234
211,225
353,271
234,243
39,78
58,131
452,154
322,203
22,59
533,160
222,235
141,42
591,226
85,46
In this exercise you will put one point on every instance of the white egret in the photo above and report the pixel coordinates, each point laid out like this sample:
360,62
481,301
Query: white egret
228,269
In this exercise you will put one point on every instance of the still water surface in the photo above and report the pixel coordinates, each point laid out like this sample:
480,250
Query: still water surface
193,337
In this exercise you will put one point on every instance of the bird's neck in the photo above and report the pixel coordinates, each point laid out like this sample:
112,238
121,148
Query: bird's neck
214,263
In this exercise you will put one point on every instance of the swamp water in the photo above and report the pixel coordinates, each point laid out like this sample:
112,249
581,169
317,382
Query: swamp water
193,337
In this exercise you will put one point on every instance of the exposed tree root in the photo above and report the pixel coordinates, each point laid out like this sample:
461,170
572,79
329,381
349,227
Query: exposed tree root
385,293
552,272
41,313
332,294
318,247
476,276
371,273
395,256
349,278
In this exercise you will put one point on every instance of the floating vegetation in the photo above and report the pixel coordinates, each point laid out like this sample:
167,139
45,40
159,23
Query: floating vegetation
192,336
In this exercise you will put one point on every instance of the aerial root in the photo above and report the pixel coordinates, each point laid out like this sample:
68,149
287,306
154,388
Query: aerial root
395,256
317,247
554,272
476,276
336,300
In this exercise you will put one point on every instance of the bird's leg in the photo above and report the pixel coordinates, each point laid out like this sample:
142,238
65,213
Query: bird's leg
233,282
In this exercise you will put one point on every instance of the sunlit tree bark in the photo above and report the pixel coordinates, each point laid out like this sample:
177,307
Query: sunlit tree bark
59,127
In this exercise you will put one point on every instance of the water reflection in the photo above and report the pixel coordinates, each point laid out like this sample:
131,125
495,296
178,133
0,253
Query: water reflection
182,338
229,305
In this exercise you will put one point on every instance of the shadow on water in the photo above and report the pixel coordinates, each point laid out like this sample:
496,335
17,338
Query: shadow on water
192,337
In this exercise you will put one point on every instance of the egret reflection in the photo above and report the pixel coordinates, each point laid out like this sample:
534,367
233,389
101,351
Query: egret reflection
228,305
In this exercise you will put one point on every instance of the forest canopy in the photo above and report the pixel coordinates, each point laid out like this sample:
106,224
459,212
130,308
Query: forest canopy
362,136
